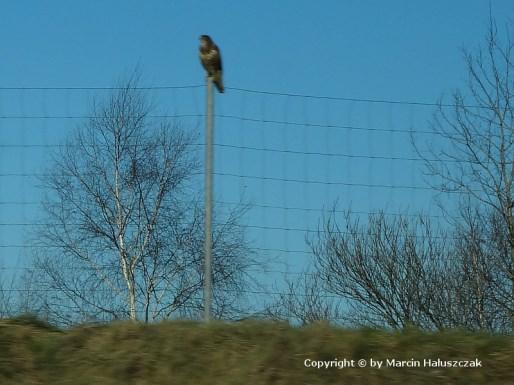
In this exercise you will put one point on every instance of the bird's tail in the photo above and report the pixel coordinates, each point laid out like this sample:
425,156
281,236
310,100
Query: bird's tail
218,82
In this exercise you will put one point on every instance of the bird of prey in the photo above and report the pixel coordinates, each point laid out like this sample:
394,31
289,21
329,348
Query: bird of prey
210,57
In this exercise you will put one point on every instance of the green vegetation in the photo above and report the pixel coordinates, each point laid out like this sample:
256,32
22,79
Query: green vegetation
253,353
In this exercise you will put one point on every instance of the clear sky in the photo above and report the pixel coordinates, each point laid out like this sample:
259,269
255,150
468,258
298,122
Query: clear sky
392,50
395,49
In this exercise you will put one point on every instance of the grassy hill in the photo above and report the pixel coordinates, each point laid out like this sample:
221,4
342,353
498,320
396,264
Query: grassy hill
252,353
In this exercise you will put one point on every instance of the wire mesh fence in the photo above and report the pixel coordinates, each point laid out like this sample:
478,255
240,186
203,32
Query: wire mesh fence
290,159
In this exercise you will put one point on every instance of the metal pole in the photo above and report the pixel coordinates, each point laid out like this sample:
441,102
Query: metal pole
209,126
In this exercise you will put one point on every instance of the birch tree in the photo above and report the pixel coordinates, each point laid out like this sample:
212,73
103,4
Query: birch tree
123,236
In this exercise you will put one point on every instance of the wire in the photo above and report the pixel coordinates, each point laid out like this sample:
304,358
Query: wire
99,88
272,207
284,208
337,154
267,249
321,125
249,91
45,117
273,150
321,210
240,118
238,225
352,99
339,183
269,178
96,268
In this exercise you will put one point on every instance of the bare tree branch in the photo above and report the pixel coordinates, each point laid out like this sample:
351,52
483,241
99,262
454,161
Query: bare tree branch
127,226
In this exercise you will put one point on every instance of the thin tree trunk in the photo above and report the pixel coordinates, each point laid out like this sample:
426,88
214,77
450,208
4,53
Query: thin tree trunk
132,297
512,285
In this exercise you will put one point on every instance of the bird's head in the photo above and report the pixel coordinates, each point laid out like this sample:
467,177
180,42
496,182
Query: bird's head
205,41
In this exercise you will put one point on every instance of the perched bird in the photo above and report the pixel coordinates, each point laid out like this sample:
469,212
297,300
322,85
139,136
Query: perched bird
210,57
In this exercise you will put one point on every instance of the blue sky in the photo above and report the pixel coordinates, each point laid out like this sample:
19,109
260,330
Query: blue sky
356,48
394,50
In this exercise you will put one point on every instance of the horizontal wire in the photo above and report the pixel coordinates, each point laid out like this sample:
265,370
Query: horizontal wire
240,118
284,208
338,183
323,125
68,88
100,267
337,154
249,91
273,179
353,99
69,117
243,226
324,210
274,150
265,206
110,290
258,292
266,249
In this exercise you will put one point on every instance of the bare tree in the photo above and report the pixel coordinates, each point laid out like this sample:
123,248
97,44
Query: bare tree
8,306
16,291
305,301
383,268
476,156
123,234
482,249
399,271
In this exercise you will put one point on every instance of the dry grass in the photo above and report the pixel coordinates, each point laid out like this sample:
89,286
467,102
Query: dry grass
32,352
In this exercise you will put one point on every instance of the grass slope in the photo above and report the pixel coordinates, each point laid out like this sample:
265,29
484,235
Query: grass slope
255,353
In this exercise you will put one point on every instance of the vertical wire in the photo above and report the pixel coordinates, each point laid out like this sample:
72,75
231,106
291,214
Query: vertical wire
44,126
348,146
285,146
199,121
305,146
23,164
196,107
391,150
2,190
264,173
240,157
369,142
328,148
